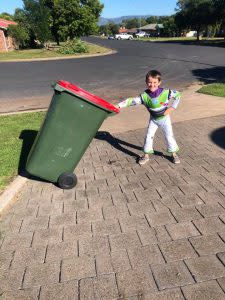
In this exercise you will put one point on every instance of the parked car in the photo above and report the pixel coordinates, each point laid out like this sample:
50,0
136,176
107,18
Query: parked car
123,36
141,34
111,37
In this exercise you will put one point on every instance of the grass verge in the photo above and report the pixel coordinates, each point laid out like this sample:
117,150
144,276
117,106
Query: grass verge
17,133
43,53
214,89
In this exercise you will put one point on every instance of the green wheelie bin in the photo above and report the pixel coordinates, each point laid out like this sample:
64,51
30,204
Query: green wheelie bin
71,122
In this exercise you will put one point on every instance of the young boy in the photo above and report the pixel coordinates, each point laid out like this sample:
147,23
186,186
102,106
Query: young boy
160,103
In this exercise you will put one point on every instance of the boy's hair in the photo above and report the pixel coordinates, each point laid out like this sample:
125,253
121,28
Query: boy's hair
154,74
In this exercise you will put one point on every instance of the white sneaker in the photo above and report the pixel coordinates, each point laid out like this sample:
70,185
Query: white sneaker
143,160
176,159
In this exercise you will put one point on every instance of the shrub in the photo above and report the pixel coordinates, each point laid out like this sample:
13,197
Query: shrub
73,46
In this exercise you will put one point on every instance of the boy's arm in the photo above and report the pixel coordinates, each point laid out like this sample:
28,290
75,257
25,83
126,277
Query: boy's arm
130,102
174,96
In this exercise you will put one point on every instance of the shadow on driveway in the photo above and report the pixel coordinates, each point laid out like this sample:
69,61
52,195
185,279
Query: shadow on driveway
218,137
210,75
119,145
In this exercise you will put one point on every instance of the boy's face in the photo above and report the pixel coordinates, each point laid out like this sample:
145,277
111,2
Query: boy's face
153,83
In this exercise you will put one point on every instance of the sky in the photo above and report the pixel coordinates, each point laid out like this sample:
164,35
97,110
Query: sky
114,8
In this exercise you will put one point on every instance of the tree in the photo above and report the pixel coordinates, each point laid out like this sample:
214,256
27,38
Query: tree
73,18
170,28
6,16
219,13
23,23
195,15
19,34
38,16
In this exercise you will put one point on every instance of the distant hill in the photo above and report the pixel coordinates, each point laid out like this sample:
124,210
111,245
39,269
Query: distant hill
103,21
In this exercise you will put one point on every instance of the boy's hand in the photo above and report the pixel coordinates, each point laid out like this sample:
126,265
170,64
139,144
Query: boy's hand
168,111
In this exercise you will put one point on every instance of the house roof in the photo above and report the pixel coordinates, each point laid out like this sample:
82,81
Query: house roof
152,26
5,23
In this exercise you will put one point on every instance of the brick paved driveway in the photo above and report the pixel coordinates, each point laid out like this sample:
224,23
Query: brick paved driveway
125,232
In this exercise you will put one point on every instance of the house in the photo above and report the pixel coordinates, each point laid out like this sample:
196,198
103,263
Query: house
130,31
6,42
152,29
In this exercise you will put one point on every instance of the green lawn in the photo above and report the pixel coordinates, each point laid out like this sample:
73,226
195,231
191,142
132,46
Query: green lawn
43,53
17,133
214,89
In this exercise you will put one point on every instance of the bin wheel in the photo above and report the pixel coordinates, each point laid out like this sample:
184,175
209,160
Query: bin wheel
67,181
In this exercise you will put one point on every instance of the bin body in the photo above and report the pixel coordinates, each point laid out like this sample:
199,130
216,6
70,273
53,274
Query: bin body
70,124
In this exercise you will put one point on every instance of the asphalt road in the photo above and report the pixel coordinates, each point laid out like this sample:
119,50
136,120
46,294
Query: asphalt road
118,75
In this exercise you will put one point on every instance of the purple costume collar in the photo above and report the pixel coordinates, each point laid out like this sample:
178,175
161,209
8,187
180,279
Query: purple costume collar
156,93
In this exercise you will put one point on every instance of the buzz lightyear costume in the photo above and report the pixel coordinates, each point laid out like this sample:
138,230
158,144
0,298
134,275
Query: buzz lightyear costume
156,103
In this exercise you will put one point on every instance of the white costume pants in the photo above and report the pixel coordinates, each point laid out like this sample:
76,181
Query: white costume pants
165,124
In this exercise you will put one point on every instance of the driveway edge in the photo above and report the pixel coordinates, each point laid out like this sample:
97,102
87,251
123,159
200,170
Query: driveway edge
11,191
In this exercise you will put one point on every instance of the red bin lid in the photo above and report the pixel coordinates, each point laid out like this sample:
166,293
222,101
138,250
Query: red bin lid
90,97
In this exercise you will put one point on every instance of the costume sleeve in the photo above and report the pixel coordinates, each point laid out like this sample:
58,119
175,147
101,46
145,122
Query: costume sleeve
130,102
174,97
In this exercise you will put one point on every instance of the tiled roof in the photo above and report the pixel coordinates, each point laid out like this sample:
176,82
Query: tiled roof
5,23
152,26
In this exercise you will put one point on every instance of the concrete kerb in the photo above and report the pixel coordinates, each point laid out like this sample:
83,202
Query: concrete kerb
60,57
11,192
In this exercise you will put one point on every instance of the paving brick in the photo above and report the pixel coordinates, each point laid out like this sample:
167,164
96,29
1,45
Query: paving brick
31,224
112,212
206,290
189,200
66,291
26,212
50,209
71,206
63,220
143,256
26,256
61,250
140,208
171,294
146,195
25,294
221,282
160,218
39,274
153,235
169,202
205,268
124,241
106,227
182,230
99,202
89,215
92,246
171,275
177,250
135,282
78,268
209,225
221,257
186,214
102,287
133,222
211,210
206,245
5,259
15,241
75,232
47,236
11,279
